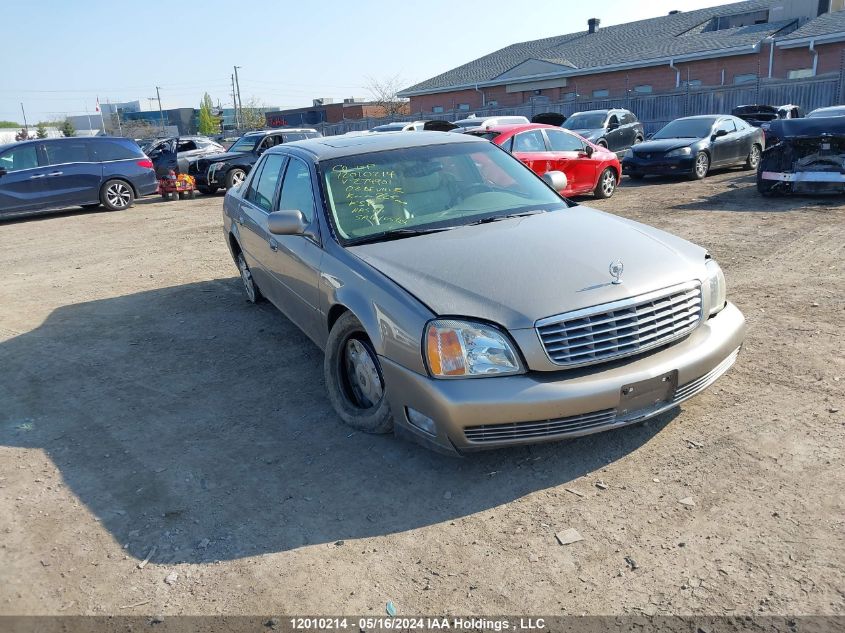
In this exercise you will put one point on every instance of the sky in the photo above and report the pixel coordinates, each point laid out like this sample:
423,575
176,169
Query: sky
69,53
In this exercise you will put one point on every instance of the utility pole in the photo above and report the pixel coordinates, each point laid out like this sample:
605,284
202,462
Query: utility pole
235,103
238,88
25,126
160,111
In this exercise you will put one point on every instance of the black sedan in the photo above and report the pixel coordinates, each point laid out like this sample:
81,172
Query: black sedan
691,146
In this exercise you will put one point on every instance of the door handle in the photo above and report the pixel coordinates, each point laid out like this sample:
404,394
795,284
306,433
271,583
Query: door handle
55,173
36,176
274,245
240,220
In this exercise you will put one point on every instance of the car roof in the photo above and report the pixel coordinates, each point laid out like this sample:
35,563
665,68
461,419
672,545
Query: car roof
705,116
328,147
520,127
280,129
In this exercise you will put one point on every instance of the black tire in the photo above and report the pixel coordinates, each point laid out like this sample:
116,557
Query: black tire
753,159
253,294
700,166
636,176
207,190
116,195
601,143
234,177
347,393
606,184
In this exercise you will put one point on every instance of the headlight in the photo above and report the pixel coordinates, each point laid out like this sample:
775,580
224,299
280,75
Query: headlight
629,153
461,349
681,151
715,286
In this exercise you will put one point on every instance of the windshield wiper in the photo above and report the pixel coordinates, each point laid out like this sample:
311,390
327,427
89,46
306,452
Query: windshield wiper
496,218
396,234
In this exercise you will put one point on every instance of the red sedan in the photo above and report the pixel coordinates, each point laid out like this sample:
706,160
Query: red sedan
589,168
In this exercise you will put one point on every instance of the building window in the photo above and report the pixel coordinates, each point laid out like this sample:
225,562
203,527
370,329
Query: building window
643,89
463,106
601,93
437,109
745,79
568,96
492,103
800,73
692,83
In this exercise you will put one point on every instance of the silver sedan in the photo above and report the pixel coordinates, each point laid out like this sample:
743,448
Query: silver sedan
463,303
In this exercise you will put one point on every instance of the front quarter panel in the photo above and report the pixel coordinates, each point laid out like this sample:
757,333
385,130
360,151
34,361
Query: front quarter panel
392,317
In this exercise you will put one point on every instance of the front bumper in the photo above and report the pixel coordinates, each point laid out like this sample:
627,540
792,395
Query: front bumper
658,166
486,413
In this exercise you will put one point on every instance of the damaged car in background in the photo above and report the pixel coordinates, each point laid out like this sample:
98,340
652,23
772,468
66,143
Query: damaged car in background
808,158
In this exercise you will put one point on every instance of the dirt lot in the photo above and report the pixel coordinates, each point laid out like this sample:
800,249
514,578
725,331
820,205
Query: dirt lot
147,412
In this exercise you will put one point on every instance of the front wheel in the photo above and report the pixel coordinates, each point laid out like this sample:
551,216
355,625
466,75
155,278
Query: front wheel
701,166
753,157
235,177
606,184
117,195
354,380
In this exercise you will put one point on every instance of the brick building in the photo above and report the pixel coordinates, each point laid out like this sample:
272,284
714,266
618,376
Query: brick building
326,111
726,45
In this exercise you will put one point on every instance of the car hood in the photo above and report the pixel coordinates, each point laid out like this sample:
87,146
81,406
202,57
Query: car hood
518,270
216,158
664,144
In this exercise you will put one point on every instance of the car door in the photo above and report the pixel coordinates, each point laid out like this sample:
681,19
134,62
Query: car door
629,127
568,154
530,148
254,206
295,259
614,134
18,168
72,175
723,143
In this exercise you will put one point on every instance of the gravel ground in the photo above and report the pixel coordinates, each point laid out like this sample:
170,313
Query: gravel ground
166,447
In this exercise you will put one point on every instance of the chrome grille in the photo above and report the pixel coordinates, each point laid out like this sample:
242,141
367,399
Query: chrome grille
544,428
622,328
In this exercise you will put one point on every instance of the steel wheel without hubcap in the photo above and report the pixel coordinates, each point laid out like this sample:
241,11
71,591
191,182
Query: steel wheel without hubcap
702,165
252,293
118,195
365,383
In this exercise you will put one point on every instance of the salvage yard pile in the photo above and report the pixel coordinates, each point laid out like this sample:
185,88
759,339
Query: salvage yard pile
167,448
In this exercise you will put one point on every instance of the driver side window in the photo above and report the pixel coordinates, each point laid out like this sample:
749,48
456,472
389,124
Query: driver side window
262,190
19,158
727,125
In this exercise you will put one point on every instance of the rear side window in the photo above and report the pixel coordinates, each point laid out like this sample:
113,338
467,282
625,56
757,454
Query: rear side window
529,142
262,194
113,150
628,118
727,125
294,136
19,158
563,142
67,152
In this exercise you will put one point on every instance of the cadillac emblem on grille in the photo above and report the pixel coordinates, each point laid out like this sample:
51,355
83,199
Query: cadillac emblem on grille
615,269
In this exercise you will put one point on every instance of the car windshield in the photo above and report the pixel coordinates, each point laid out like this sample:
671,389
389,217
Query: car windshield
686,128
245,144
405,192
482,134
822,112
585,121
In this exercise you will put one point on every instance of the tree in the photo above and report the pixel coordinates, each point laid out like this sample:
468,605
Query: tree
252,114
138,128
208,123
22,135
67,128
384,95
41,131
9,124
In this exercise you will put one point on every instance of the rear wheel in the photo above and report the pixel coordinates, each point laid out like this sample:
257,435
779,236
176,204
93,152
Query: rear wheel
354,380
235,177
606,184
753,157
253,294
117,195
700,167
602,143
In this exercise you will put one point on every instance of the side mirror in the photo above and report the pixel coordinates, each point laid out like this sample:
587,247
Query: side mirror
588,150
719,133
556,180
286,223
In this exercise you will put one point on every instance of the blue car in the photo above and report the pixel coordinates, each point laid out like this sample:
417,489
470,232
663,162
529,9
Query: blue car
50,174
